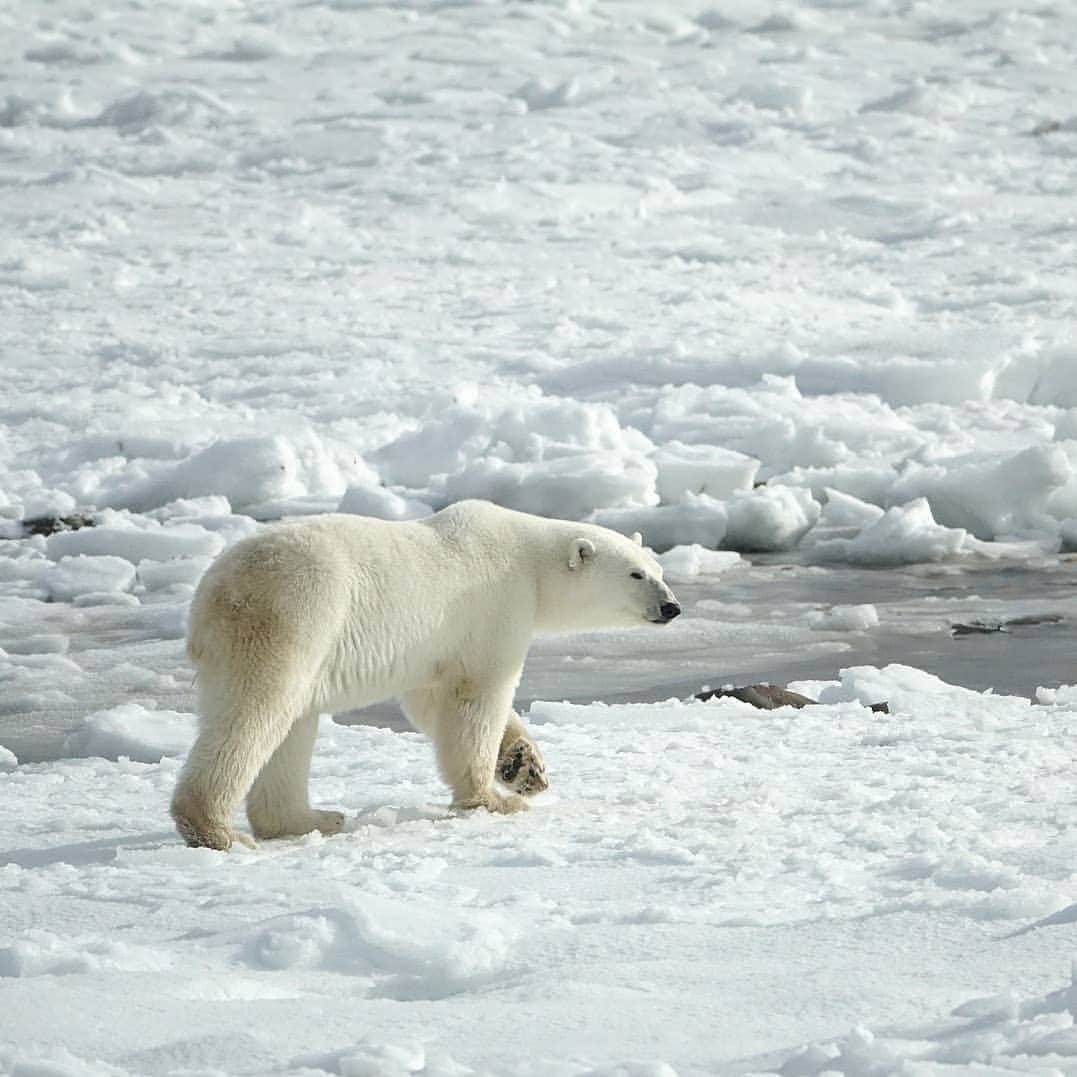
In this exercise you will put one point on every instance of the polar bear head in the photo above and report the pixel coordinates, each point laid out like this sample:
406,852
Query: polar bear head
604,580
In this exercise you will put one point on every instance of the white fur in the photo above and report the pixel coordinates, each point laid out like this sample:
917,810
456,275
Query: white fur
336,612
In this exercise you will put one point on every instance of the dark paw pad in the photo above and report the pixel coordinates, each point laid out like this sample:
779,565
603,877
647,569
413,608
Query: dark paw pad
521,768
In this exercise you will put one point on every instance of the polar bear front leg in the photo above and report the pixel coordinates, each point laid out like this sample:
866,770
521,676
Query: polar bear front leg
467,739
520,765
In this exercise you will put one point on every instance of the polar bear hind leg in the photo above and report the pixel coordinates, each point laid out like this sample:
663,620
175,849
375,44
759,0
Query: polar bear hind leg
241,727
278,804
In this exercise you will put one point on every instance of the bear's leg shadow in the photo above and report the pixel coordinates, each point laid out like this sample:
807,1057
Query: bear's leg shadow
467,725
278,804
520,765
242,725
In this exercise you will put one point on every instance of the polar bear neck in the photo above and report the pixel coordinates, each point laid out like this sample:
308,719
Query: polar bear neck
506,542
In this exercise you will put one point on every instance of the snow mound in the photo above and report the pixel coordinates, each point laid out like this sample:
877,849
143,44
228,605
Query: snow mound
998,1034
547,455
145,108
910,690
372,1058
431,955
43,953
134,731
257,475
180,574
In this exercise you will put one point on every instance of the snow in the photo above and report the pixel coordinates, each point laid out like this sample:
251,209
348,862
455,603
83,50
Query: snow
857,618
694,866
701,469
770,518
574,260
82,575
132,731
695,560
697,519
781,280
904,534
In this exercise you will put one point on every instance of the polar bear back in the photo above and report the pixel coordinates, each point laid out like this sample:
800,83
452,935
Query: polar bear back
365,609
369,601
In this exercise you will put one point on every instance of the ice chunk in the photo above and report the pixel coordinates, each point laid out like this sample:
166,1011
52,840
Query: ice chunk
134,731
246,471
770,518
181,572
990,497
567,486
38,643
846,618
83,574
777,95
903,535
542,454
695,560
105,598
374,1059
1056,381
697,519
149,541
380,501
702,469
844,510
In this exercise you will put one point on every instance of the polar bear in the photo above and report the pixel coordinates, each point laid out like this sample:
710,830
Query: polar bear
335,612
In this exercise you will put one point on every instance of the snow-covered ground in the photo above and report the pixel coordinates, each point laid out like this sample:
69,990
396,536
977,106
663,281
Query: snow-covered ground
616,258
704,884
758,276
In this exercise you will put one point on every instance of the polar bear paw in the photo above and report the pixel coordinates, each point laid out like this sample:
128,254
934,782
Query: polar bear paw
493,801
329,822
521,767
325,822
207,834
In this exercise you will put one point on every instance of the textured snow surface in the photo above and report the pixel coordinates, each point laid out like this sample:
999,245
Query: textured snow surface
756,276
705,888
577,257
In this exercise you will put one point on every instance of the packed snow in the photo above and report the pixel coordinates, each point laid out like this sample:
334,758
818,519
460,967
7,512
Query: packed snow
705,889
758,280
583,259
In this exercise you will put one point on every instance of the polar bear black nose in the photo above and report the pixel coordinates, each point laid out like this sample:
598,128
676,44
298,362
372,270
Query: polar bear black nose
669,610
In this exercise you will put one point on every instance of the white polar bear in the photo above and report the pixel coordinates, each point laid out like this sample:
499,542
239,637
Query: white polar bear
336,612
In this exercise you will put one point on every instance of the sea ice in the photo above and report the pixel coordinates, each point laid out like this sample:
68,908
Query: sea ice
133,731
904,534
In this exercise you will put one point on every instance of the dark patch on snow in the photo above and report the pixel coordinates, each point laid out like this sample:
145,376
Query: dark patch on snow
981,628
769,697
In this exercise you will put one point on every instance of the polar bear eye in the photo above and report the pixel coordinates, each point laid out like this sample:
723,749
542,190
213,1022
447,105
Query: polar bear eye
636,575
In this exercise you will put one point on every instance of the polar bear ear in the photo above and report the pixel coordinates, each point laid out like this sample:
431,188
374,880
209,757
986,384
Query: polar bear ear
637,538
583,549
